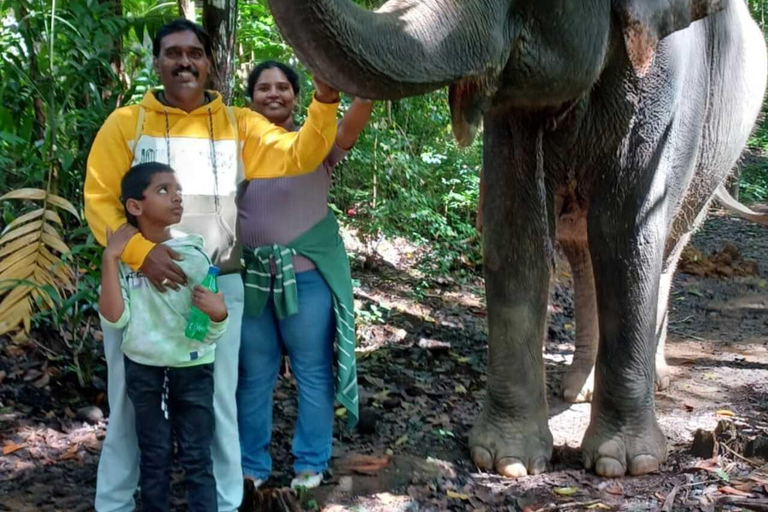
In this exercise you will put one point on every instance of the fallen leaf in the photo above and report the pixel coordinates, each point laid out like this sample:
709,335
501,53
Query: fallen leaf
341,411
598,505
401,440
725,412
727,489
566,491
456,495
460,389
723,475
10,448
745,486
615,488
42,381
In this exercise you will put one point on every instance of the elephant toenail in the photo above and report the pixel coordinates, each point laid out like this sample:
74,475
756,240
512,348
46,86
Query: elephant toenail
511,467
482,458
539,466
643,464
609,467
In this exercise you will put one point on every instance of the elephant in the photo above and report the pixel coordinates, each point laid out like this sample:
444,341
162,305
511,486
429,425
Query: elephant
608,125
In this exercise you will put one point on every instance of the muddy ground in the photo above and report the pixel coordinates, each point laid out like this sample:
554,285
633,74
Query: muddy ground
422,363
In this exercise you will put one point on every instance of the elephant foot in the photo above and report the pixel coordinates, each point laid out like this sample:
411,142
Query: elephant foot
579,382
663,375
612,448
512,448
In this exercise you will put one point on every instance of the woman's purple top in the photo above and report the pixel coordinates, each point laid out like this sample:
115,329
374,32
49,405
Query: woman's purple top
277,210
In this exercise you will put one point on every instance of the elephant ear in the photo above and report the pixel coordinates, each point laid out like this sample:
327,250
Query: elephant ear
646,22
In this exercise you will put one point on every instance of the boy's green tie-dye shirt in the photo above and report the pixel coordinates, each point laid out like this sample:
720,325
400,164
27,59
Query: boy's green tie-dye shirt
154,322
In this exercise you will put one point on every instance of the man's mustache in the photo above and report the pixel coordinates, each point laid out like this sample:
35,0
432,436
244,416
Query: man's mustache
179,70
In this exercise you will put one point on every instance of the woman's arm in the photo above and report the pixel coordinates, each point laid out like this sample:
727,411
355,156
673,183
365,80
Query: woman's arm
353,122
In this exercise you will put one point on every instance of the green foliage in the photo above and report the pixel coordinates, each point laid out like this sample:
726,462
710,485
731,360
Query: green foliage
64,72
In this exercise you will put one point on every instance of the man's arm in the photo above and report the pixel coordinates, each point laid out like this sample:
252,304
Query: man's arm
272,152
109,160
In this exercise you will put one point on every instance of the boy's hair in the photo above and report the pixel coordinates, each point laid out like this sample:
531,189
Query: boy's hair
136,181
288,71
182,25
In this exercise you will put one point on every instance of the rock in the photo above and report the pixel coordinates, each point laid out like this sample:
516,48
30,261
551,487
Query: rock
434,345
757,447
367,422
703,444
90,414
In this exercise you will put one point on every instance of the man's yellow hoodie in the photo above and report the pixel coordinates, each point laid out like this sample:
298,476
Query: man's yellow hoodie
212,151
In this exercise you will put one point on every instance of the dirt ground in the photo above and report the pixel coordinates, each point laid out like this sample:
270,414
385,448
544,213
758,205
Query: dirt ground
422,363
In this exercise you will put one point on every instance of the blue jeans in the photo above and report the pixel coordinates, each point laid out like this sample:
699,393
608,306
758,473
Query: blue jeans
190,423
308,337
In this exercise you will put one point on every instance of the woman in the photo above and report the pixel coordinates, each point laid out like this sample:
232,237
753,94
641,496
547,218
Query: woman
298,293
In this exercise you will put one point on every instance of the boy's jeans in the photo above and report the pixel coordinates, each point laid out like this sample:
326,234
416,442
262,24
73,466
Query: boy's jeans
190,423
118,473
308,336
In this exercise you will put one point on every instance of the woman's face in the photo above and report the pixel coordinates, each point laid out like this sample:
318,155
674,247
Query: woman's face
273,96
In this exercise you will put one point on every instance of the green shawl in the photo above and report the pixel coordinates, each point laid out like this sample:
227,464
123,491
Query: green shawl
324,247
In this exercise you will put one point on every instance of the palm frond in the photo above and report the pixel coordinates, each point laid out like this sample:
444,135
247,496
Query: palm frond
33,274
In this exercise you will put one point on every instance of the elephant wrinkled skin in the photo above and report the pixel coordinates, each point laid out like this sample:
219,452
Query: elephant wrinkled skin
608,125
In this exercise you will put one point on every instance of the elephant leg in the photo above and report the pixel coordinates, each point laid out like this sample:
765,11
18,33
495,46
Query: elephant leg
511,434
578,382
662,373
626,240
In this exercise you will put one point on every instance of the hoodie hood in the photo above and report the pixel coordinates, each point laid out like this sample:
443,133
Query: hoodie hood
152,104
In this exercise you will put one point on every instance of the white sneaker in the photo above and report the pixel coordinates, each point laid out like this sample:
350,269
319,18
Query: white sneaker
307,480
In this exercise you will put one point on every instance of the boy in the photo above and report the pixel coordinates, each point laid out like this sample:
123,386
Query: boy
169,378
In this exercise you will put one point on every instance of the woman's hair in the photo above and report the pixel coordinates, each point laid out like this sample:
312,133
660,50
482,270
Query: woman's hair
288,71
136,181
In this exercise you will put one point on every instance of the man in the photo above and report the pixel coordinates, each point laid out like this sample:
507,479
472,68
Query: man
212,148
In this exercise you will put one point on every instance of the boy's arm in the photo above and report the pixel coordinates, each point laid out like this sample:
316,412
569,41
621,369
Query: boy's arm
270,151
113,303
109,160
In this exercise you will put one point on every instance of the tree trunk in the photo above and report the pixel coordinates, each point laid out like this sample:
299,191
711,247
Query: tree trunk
38,104
187,10
220,21
116,53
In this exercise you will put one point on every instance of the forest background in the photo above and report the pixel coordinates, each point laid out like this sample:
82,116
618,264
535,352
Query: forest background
66,65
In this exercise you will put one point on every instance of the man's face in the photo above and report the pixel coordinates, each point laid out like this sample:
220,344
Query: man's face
182,64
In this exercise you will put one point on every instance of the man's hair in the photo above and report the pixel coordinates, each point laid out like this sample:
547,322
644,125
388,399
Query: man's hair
136,181
182,25
288,71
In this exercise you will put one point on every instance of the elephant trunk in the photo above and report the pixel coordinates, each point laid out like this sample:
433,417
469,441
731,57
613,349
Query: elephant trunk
405,48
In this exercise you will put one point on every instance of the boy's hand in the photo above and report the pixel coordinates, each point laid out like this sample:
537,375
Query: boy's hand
212,304
116,241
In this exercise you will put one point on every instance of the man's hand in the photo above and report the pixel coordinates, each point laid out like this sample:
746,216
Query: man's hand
160,269
212,304
324,93
116,241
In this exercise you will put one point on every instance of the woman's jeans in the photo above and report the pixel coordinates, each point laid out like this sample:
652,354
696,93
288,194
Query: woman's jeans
308,337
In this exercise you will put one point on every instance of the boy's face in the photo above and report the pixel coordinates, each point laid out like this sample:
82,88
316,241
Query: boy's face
162,201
